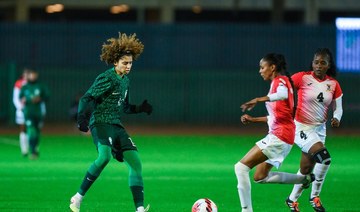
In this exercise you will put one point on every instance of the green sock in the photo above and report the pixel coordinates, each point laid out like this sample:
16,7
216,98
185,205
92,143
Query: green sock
138,195
95,169
87,182
136,184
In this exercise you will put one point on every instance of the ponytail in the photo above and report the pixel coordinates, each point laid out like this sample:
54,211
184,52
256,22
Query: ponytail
293,88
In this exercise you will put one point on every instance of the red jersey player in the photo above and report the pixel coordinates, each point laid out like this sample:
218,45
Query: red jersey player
271,150
317,90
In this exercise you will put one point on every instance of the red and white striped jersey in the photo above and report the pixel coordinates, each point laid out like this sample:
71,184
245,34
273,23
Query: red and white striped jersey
314,97
280,118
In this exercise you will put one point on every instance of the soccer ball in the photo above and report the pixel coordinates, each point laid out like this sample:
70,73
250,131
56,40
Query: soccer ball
204,205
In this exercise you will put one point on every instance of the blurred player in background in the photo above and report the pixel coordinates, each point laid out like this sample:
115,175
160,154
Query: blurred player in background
316,90
104,101
33,96
19,115
271,150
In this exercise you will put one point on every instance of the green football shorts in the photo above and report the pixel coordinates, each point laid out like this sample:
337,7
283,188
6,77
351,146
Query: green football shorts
114,136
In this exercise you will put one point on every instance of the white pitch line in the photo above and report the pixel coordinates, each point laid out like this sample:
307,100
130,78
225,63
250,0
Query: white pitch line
9,141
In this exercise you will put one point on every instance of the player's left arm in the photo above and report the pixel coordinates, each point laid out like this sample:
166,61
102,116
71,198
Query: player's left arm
46,94
131,109
338,111
337,106
281,91
44,98
246,119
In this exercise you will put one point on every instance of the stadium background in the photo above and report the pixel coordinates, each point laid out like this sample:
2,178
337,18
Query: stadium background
196,68
199,64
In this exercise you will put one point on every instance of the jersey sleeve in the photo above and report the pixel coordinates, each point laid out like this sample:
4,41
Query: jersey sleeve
296,78
16,98
101,85
338,91
338,110
280,91
129,108
19,83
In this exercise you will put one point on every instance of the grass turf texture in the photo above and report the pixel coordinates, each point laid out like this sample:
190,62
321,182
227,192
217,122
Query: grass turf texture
177,171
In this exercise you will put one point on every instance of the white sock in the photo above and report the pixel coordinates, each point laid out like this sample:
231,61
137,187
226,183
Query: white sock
244,186
140,209
24,143
79,196
283,178
297,190
320,171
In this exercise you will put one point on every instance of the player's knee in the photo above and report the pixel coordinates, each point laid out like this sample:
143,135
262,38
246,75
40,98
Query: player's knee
103,160
260,177
241,168
135,169
322,156
306,170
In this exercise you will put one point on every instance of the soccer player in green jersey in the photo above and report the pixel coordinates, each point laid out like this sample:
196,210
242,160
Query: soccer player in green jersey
33,96
103,104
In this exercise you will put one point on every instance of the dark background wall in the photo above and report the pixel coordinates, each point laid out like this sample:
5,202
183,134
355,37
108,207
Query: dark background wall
192,74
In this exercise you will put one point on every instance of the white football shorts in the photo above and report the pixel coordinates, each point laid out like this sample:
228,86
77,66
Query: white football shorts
275,149
307,135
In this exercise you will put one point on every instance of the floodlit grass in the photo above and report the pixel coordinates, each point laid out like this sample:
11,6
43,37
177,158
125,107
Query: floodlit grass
177,171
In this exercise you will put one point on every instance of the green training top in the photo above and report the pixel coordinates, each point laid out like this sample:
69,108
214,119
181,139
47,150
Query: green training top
106,99
31,90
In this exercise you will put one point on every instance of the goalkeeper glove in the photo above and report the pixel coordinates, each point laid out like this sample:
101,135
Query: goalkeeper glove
82,124
145,107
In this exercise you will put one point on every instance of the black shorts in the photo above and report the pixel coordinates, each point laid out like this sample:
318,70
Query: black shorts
114,136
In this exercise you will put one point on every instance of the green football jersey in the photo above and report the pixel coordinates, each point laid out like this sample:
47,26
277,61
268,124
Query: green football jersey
30,91
106,99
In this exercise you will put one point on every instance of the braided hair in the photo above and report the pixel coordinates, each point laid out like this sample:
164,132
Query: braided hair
331,72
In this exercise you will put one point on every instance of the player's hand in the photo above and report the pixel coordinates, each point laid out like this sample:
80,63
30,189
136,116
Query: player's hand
83,124
249,105
36,99
246,119
335,122
145,107
23,100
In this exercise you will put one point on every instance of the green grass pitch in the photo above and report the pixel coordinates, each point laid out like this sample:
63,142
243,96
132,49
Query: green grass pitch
177,170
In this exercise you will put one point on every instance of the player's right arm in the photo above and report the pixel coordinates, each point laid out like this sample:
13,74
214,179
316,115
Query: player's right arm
16,95
88,101
16,98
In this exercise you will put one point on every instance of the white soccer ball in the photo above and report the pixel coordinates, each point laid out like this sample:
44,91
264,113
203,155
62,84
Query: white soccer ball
204,205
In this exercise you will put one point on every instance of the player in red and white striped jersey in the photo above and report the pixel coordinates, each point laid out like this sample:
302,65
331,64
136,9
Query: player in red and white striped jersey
317,90
271,150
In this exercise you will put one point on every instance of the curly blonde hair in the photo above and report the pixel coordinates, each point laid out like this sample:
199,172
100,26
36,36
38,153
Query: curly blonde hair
115,48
